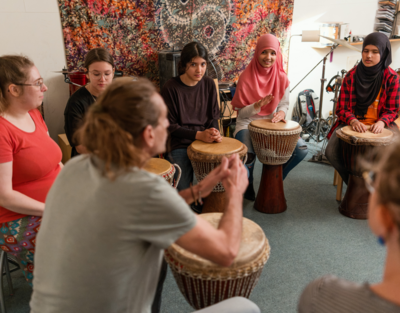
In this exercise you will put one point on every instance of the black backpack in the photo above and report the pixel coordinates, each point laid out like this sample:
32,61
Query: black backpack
306,107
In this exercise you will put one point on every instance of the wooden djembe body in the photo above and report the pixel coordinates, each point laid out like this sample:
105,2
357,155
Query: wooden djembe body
207,156
274,144
356,146
204,283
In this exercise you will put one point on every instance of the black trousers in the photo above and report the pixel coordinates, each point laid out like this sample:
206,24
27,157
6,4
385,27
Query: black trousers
334,154
156,306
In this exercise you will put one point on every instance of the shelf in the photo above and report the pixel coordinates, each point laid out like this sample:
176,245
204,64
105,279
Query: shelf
360,43
353,44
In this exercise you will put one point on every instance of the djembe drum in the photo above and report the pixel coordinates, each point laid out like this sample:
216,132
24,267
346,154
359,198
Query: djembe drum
163,168
207,156
274,144
204,283
355,145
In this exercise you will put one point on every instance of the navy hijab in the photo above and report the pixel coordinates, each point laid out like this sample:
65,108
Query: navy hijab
368,80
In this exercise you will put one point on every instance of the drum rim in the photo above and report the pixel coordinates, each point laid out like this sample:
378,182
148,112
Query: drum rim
157,160
194,262
275,130
219,272
348,127
194,155
213,143
352,140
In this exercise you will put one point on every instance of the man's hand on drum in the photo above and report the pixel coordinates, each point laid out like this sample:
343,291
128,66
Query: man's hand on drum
209,135
215,176
358,126
279,116
236,182
377,127
264,101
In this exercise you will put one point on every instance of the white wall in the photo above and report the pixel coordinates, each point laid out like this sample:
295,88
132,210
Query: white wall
302,58
33,28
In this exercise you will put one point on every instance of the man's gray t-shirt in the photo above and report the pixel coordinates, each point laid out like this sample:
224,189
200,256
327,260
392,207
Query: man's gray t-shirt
100,244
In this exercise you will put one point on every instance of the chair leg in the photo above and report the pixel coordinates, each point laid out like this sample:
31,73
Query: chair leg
3,258
7,268
339,188
335,178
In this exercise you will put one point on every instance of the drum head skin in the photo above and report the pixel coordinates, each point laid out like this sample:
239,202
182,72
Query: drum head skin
157,166
251,247
267,124
385,134
228,145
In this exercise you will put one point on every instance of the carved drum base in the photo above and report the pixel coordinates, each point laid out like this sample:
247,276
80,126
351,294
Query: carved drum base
215,202
355,201
271,197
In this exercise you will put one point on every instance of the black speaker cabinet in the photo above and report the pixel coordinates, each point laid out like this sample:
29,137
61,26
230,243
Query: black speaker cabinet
168,65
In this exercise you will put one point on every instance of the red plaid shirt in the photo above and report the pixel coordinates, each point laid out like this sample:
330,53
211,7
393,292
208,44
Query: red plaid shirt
389,102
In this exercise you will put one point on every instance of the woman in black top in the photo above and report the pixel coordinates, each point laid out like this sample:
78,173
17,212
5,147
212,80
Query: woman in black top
193,108
99,65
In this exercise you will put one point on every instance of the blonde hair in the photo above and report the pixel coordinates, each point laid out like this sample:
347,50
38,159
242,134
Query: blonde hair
14,69
114,123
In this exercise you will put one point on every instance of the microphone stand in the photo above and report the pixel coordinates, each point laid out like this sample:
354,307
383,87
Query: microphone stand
323,80
320,156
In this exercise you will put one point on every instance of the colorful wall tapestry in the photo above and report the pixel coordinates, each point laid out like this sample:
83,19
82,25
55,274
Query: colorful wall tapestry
134,31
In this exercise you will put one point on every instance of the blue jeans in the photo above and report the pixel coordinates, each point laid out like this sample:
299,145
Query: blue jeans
298,155
180,157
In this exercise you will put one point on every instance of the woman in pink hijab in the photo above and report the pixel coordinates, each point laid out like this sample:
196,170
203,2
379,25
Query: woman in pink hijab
263,92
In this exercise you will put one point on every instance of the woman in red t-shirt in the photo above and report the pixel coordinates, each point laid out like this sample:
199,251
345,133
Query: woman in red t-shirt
29,159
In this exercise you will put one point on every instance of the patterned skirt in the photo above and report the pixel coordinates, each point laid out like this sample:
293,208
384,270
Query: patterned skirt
18,238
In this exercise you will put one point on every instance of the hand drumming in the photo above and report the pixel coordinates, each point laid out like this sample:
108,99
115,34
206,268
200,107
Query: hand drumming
279,117
214,177
358,126
377,127
236,181
264,101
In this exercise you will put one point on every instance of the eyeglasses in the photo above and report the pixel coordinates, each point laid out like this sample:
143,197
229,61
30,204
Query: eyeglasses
369,178
39,83
99,75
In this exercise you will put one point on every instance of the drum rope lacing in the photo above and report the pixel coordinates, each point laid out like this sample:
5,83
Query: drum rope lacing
199,297
203,168
234,282
274,147
169,175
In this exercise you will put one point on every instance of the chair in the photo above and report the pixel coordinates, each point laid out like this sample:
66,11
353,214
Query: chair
338,181
221,128
65,147
5,270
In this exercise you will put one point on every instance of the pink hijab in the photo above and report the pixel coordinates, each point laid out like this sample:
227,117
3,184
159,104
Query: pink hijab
256,81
